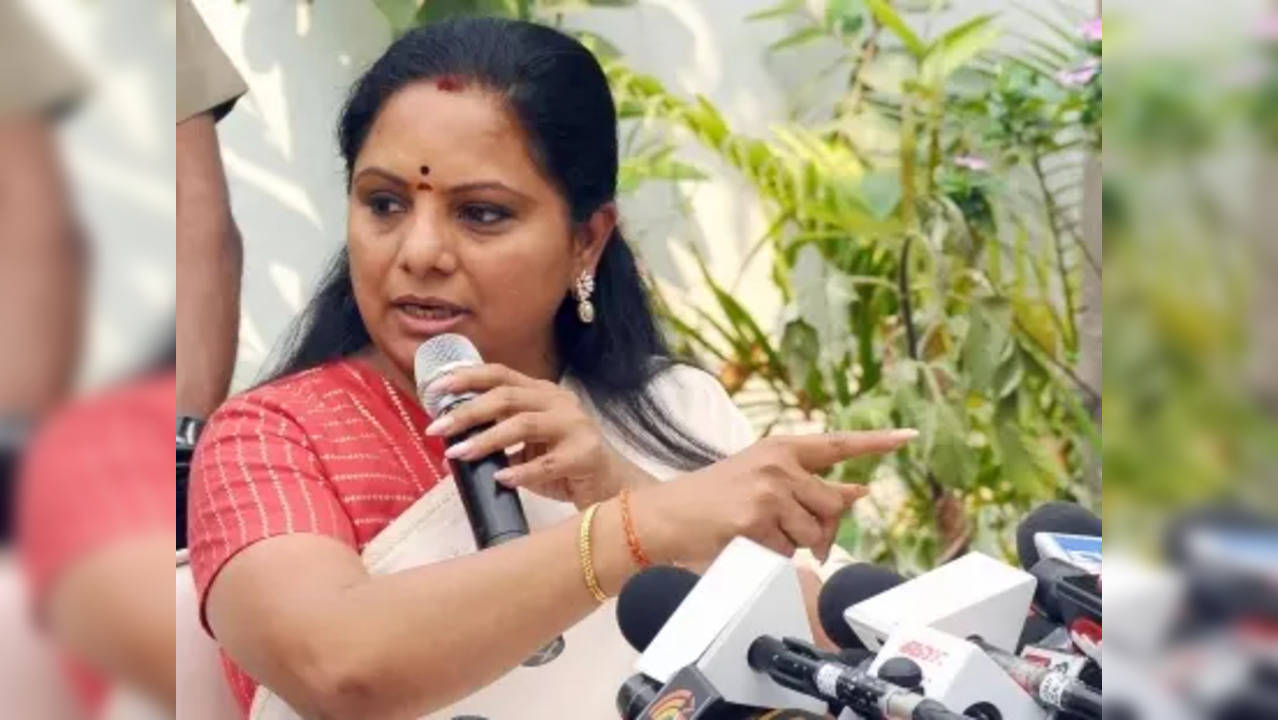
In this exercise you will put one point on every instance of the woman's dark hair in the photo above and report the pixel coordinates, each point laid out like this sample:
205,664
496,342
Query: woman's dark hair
559,94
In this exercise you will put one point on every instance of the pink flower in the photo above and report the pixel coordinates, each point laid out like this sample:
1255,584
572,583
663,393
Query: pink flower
1268,29
1080,75
972,162
1091,30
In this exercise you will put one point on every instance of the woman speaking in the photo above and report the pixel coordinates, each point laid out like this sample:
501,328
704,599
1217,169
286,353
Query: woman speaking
333,559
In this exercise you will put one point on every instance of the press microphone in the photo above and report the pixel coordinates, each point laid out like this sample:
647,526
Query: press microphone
701,650
1053,689
1064,593
648,599
636,694
496,515
848,586
972,595
798,665
1062,530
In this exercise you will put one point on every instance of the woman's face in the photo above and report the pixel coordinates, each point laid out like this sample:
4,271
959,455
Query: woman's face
452,228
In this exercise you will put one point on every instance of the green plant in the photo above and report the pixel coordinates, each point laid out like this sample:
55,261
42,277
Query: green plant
923,285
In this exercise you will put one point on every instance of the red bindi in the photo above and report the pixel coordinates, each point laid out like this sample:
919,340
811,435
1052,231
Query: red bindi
449,83
424,186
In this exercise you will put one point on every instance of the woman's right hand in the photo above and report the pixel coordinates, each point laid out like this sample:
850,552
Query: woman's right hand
767,492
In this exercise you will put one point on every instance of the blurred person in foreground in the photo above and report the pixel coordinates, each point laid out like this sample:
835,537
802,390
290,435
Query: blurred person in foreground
94,497
96,501
41,293
334,560
96,536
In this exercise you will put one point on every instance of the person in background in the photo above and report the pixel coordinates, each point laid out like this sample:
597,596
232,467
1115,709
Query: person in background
210,253
332,555
42,257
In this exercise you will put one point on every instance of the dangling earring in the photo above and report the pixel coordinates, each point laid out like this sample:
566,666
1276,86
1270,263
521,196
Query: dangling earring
585,287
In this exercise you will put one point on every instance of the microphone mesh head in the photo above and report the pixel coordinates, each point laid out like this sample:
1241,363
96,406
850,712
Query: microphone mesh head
1053,517
649,599
437,357
847,587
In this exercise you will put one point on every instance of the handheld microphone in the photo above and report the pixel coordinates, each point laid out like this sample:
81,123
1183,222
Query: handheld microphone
494,510
1052,689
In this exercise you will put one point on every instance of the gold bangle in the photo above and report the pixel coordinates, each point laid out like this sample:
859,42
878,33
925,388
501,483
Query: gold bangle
587,556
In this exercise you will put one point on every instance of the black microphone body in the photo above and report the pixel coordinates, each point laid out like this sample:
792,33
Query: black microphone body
1053,689
495,512
800,667
636,694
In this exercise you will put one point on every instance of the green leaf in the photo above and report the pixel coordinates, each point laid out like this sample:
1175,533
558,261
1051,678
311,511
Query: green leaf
950,459
881,192
399,13
822,295
737,315
955,48
1060,29
781,9
800,349
708,122
686,331
659,165
845,16
1007,379
988,343
889,19
799,37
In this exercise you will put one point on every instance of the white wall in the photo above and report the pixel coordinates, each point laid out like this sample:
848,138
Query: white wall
118,149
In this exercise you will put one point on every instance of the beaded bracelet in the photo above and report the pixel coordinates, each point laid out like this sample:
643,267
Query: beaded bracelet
632,537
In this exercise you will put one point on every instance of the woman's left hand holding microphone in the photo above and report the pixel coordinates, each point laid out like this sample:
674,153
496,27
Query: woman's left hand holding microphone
564,457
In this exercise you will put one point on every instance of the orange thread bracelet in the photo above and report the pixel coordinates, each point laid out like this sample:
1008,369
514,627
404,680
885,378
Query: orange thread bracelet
632,537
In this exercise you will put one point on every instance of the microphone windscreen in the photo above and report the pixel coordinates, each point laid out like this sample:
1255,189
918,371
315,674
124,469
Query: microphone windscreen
845,588
649,599
437,357
1053,517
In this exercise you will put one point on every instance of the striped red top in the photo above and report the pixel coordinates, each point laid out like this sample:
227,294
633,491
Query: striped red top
98,472
337,450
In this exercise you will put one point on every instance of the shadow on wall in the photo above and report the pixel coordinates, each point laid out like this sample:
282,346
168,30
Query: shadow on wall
707,48
280,151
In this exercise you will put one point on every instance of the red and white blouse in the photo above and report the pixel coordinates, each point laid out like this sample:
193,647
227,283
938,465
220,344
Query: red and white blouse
337,450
